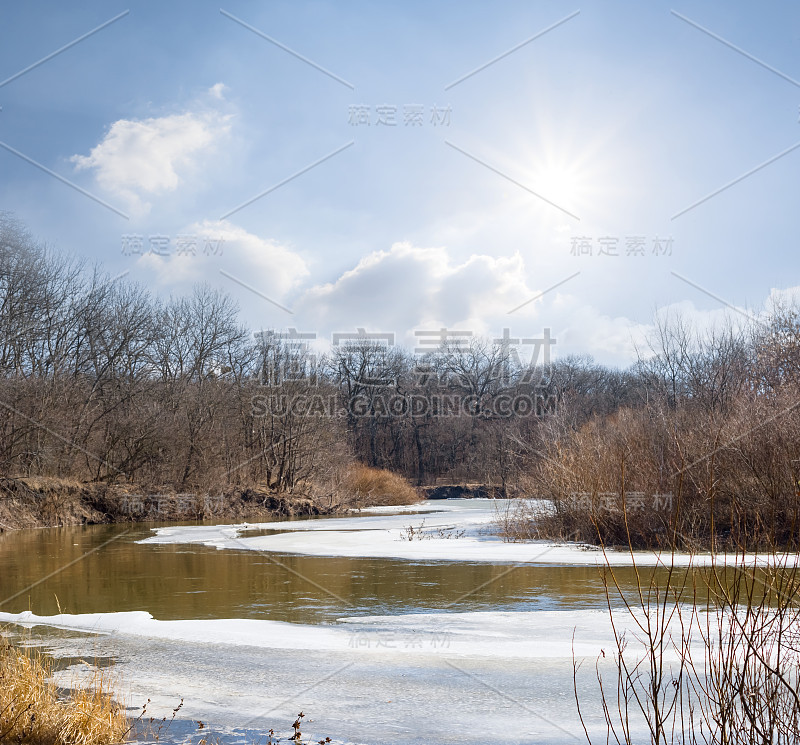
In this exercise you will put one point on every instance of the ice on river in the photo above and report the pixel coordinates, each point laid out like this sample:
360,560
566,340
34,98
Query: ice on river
446,677
416,678
438,528
495,635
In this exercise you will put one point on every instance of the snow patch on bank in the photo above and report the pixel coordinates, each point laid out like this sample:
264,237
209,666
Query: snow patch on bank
452,530
495,635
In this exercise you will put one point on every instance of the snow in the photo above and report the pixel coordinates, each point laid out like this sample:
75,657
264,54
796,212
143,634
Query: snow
385,536
494,635
415,678
408,679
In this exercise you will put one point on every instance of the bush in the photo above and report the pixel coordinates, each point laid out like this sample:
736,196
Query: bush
657,477
364,487
701,657
33,713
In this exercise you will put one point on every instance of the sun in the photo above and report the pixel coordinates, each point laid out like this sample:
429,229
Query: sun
569,172
559,182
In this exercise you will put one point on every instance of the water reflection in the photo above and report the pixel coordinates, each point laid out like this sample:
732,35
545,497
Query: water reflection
189,581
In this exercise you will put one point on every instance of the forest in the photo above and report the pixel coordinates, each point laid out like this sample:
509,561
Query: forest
102,380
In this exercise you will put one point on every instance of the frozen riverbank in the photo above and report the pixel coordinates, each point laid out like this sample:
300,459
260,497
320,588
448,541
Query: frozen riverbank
512,636
460,637
416,678
449,530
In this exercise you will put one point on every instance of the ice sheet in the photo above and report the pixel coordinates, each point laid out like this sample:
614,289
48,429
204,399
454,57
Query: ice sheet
387,537
410,679
495,635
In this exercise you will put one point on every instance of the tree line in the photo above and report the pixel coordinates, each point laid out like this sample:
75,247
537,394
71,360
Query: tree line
100,380
705,452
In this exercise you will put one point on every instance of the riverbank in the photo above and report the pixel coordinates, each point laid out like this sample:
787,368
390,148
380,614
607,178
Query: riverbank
42,502
48,502
35,711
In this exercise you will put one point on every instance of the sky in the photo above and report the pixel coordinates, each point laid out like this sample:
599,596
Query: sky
410,167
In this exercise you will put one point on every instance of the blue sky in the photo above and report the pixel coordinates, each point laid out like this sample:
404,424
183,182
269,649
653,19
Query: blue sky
602,129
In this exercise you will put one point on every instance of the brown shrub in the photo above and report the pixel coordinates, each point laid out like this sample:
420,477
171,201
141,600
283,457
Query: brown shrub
678,478
364,486
33,713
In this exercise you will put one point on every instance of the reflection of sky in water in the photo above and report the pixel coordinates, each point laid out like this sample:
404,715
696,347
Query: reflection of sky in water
195,581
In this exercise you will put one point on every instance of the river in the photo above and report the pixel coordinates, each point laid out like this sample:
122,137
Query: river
408,649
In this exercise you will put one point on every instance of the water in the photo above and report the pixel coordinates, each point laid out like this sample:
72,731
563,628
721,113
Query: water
387,697
102,569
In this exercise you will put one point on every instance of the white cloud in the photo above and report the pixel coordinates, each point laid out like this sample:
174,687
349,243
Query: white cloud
267,266
778,298
218,91
140,158
581,329
409,288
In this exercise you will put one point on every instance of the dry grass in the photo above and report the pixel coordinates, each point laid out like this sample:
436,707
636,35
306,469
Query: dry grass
33,713
47,484
375,486
517,520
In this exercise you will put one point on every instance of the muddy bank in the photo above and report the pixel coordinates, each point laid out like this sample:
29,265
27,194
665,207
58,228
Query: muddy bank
40,502
43,502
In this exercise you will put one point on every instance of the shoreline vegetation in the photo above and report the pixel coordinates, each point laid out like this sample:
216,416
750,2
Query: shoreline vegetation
35,711
713,658
41,502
